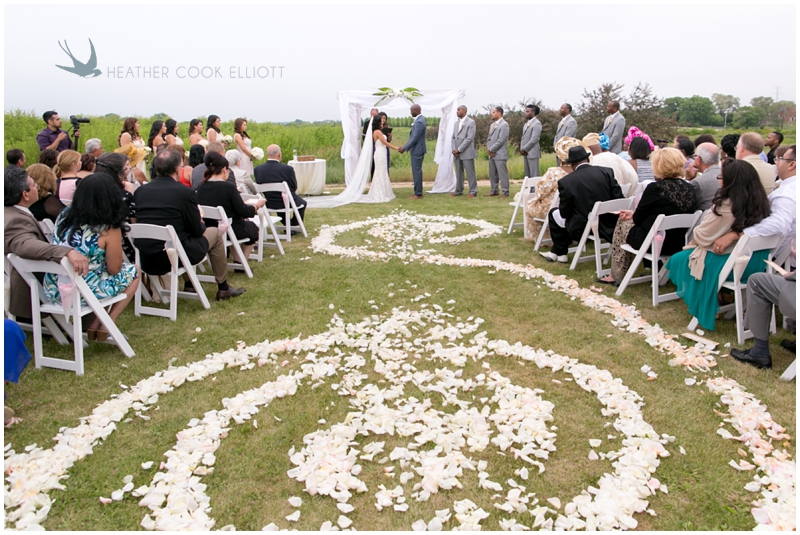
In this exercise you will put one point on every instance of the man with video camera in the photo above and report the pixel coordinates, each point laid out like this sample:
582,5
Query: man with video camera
52,137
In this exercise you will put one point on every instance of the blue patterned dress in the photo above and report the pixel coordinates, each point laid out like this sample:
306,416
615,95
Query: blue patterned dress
100,281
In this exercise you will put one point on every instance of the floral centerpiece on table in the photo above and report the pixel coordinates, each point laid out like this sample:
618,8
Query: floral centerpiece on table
257,153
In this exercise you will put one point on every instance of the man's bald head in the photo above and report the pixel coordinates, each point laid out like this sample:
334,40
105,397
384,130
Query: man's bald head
274,152
216,146
415,110
708,154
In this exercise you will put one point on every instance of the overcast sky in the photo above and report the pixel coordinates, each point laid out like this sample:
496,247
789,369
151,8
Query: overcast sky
497,54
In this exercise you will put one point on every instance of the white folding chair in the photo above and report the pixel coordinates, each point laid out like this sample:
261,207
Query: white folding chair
744,248
528,184
229,236
40,304
48,228
265,222
289,208
49,325
625,189
591,231
179,265
653,243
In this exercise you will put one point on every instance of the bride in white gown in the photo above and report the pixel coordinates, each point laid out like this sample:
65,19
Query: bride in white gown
381,188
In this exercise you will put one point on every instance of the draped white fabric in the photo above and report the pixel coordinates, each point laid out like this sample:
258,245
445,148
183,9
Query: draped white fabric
354,105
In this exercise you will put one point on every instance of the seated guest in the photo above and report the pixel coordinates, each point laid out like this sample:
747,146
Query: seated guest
185,174
749,149
274,172
67,167
164,201
196,155
598,145
782,203
668,195
244,183
217,191
706,183
685,145
703,138
94,225
16,158
93,147
545,191
87,165
728,145
577,193
739,203
117,166
763,291
633,132
199,171
639,152
23,237
48,206
773,141
49,158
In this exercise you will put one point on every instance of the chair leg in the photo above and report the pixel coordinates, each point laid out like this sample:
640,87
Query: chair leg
514,215
540,238
790,372
579,250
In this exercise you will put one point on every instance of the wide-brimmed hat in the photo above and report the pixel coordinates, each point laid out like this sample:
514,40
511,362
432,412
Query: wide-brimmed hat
577,154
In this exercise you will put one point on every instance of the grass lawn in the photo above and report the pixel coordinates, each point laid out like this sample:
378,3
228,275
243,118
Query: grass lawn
290,297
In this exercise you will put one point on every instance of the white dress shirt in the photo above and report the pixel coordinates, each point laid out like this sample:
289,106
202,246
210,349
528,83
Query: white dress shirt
783,217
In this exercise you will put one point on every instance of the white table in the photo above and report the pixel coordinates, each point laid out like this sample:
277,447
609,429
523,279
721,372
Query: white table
310,176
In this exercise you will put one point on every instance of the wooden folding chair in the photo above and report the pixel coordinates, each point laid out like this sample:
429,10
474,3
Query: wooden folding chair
289,208
265,223
229,236
653,243
179,265
528,184
40,304
736,263
591,231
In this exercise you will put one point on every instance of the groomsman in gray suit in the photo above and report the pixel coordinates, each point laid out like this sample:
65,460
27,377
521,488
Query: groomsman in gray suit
464,153
614,127
567,127
529,144
497,147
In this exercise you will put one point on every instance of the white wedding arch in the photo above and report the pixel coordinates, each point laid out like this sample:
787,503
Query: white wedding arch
354,107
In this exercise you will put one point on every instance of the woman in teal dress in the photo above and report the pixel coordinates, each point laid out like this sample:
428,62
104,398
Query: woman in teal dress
740,202
93,225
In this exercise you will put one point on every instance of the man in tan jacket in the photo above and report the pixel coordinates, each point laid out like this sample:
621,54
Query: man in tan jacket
23,237
749,148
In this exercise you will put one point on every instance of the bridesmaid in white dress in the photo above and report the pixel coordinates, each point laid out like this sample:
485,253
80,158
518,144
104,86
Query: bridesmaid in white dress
243,145
196,133
172,133
130,134
213,133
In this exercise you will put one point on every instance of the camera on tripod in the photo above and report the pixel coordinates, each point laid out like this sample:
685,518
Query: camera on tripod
76,122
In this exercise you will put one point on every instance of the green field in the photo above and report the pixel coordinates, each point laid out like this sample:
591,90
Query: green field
290,297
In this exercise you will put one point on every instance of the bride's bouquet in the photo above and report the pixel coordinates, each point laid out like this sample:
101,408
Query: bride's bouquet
257,152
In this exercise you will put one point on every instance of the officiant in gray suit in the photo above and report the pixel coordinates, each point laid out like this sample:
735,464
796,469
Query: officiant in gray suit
497,147
529,144
567,127
614,127
464,153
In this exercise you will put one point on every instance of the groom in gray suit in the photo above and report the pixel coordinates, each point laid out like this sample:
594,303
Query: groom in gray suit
464,153
497,147
529,144
614,127
567,127
416,147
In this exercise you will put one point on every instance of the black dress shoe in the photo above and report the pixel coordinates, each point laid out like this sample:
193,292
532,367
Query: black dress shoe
789,345
745,356
222,295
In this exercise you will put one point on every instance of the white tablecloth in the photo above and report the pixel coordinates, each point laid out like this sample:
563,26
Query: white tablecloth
310,176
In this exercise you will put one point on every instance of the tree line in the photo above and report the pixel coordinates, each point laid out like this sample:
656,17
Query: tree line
723,110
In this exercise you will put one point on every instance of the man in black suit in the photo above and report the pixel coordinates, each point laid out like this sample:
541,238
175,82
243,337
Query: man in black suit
165,201
274,172
578,191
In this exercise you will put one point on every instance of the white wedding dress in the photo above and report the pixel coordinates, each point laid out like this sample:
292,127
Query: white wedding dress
381,188
354,192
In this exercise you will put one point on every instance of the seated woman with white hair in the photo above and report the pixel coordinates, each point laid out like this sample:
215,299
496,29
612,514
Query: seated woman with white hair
244,183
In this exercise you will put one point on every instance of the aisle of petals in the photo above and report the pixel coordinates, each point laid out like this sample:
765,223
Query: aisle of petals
695,358
512,418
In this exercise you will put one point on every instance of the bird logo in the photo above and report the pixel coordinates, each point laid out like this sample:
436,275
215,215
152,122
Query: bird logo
84,70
